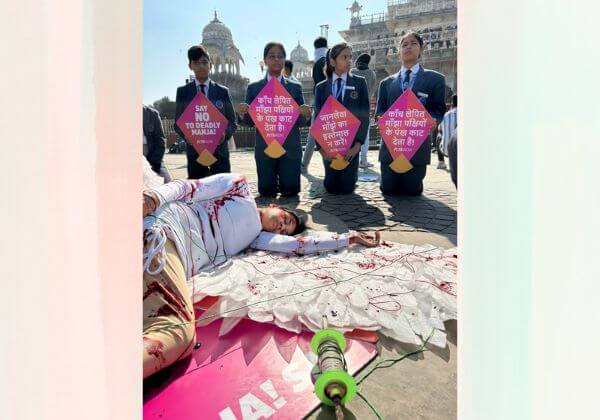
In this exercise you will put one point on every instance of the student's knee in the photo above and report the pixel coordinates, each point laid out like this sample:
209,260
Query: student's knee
289,190
267,186
388,187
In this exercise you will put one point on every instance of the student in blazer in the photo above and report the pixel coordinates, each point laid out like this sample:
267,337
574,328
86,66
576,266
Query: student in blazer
200,64
352,92
430,87
281,175
154,138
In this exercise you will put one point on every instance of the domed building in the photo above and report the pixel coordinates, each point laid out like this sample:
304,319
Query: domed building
302,66
226,58
303,71
217,39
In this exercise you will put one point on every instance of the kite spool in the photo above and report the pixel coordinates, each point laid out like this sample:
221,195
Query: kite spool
333,386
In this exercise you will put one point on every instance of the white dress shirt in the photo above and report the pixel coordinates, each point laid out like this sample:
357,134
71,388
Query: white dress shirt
413,72
269,77
334,84
206,86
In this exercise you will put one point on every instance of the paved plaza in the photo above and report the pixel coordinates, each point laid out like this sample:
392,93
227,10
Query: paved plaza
421,387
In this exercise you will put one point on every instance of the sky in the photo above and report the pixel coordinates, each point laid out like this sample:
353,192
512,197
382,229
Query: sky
171,27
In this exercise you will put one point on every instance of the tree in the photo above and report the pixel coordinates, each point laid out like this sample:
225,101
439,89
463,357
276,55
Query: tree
165,107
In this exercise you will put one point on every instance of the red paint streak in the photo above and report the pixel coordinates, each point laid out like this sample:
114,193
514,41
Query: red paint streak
451,264
252,288
322,276
300,245
381,257
191,195
448,288
366,266
154,348
176,303
238,190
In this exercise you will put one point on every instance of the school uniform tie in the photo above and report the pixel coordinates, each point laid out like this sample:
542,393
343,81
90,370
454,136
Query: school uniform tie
338,90
406,80
203,88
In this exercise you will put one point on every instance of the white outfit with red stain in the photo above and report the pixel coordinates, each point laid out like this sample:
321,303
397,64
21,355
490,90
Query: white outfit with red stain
214,218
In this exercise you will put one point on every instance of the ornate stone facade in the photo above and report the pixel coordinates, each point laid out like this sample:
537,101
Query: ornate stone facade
379,35
303,72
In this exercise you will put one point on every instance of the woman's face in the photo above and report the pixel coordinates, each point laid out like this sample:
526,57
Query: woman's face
410,50
343,62
275,219
275,60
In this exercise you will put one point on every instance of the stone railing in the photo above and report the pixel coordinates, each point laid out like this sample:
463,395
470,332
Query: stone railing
373,18
400,8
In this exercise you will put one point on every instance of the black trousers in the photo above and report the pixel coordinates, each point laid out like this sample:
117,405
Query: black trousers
408,183
452,159
197,171
278,175
341,182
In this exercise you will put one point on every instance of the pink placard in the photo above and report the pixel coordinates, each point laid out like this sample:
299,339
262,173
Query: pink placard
255,371
202,124
274,112
405,125
334,128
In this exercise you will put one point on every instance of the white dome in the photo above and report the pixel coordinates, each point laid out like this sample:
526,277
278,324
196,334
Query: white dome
299,54
216,31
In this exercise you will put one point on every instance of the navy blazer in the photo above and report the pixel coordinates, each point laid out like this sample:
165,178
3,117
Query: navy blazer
155,137
359,106
427,82
217,94
292,143
317,72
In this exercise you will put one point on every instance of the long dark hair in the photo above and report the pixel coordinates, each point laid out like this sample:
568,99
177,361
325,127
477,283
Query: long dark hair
271,45
333,53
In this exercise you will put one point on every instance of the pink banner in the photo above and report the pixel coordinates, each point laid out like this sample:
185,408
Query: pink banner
255,371
202,124
334,128
405,126
274,112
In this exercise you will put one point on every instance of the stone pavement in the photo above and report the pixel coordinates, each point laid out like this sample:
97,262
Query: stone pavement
421,387
430,218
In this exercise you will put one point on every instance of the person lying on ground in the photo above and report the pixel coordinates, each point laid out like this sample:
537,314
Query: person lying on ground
191,225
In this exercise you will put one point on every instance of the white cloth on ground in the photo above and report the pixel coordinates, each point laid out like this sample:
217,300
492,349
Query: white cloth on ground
403,291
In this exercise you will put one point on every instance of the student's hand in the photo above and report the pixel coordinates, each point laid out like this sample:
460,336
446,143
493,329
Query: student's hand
243,109
366,240
150,202
305,110
353,151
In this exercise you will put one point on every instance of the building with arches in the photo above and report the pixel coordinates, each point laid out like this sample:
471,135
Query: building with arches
379,35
